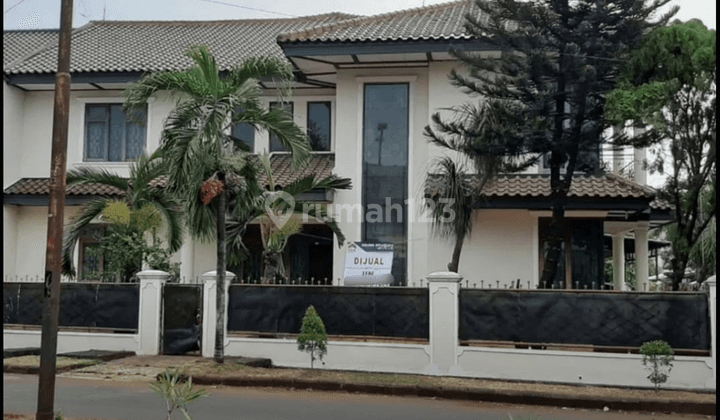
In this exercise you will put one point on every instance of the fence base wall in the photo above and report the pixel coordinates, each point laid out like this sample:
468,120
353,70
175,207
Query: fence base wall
73,341
582,368
370,357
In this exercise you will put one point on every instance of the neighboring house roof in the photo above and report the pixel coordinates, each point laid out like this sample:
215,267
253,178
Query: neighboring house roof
140,46
20,44
436,22
320,165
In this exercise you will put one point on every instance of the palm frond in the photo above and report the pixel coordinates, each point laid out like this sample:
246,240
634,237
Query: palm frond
84,176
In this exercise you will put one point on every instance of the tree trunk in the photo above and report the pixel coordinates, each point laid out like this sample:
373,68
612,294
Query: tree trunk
219,355
273,271
455,263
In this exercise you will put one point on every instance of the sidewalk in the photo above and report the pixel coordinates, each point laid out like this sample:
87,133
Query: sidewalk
235,373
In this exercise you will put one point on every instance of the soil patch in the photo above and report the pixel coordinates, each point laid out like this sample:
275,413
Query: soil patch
31,364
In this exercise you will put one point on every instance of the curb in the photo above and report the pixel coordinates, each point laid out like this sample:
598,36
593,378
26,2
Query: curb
526,398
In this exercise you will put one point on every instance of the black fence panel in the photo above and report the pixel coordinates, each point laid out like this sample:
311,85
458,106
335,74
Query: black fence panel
182,312
595,318
92,305
372,311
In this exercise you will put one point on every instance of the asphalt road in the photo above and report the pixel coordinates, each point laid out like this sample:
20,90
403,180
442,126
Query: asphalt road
81,398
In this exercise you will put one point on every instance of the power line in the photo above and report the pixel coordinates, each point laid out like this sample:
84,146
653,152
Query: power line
244,7
13,6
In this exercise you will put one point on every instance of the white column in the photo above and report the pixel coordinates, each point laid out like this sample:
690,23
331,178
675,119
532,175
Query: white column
641,257
187,260
617,153
639,159
151,285
444,291
209,318
618,253
713,323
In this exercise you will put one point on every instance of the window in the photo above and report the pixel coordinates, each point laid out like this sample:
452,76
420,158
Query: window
244,133
582,254
92,262
318,125
275,145
111,136
385,170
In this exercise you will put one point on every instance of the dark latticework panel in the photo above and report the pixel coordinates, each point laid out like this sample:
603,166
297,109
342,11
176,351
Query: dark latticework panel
596,318
388,312
93,305
182,311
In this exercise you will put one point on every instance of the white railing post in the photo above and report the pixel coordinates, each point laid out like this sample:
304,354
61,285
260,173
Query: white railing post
713,322
444,289
209,280
151,285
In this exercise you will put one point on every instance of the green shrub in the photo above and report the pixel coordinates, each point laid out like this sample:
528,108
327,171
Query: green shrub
176,395
657,358
312,338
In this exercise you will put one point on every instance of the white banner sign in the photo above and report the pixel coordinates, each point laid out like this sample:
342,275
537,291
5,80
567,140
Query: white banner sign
368,264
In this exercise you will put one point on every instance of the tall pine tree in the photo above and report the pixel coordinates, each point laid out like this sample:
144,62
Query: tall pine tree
558,60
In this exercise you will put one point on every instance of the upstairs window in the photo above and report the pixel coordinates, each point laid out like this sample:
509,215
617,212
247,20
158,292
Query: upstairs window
111,136
318,125
244,133
275,145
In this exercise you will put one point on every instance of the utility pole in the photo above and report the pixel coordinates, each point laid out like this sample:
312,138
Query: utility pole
56,211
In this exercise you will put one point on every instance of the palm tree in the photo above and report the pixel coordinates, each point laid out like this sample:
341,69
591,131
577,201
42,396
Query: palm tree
200,152
456,189
283,202
138,192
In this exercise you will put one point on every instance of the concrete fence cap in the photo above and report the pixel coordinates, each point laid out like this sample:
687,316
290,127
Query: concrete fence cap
444,276
212,275
153,275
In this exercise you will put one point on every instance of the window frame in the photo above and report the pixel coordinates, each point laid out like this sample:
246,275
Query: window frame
82,124
292,116
330,121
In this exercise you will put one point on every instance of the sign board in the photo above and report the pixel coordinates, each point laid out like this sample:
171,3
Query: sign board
368,264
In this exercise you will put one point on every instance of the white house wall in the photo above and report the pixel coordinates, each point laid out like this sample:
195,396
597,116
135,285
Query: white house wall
30,236
13,108
10,218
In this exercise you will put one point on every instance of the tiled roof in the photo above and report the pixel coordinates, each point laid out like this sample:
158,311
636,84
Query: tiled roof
118,46
440,21
320,165
18,44
41,186
529,186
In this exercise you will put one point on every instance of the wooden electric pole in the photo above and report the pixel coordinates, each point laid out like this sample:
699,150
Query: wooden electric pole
56,210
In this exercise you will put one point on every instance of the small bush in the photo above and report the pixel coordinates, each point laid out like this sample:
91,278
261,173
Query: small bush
657,358
176,395
312,338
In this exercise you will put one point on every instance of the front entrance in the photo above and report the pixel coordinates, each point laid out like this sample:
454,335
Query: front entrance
182,318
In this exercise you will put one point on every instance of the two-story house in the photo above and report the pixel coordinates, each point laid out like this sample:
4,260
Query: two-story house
365,89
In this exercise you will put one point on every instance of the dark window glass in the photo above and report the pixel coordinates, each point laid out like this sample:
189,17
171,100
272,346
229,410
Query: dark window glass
385,170
245,133
318,125
111,136
275,145
583,247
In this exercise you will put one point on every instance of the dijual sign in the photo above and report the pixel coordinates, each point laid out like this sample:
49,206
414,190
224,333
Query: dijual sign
368,264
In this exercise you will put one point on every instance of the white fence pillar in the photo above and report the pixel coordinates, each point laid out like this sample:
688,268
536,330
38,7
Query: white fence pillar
713,323
209,280
444,288
151,285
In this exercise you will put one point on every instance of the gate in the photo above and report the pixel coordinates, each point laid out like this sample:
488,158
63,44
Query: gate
182,318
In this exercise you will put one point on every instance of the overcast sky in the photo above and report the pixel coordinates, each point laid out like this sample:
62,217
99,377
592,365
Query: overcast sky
34,14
